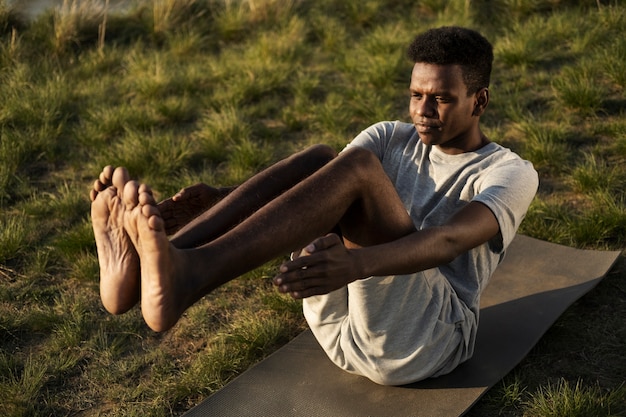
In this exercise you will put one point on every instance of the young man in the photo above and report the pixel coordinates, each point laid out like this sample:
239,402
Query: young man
424,212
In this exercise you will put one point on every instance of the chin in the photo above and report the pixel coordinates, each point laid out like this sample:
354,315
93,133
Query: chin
429,141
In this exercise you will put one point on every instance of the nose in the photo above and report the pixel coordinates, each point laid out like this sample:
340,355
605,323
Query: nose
425,107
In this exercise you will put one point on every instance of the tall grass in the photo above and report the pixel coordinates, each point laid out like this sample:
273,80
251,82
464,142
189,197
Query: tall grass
215,90
78,20
580,400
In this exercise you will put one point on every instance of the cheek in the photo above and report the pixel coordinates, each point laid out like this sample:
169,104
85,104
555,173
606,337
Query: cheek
414,107
458,116
412,114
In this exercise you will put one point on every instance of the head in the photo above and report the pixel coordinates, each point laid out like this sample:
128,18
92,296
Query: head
449,87
453,45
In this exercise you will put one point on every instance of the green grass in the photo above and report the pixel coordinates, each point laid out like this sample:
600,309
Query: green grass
562,399
215,90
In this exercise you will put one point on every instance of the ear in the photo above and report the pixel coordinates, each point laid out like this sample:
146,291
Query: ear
481,101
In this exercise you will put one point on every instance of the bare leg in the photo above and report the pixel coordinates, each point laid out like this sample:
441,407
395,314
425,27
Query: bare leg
251,195
173,279
118,259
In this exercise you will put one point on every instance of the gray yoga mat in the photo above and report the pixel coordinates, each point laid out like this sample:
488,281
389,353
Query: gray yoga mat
532,287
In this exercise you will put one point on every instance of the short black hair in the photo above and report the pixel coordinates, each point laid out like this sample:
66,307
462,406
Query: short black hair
453,45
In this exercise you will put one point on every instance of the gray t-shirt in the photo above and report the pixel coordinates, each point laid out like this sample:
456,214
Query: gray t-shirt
434,185
403,328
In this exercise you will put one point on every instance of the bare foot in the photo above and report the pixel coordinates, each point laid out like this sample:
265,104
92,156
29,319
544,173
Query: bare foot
162,301
188,204
119,262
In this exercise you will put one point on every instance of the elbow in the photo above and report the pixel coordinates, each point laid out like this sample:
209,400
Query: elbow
451,246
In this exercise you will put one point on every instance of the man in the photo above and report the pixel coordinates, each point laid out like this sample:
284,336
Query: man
422,215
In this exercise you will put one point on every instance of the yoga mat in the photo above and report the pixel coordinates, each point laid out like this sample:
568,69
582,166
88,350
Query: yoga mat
532,287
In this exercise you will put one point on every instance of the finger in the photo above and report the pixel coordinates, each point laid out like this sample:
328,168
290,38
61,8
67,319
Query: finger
300,295
300,285
309,292
324,242
300,279
296,266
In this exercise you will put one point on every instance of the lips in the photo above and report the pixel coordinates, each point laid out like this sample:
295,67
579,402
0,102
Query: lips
427,127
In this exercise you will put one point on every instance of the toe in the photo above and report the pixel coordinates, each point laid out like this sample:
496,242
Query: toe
155,221
131,194
106,175
145,196
120,177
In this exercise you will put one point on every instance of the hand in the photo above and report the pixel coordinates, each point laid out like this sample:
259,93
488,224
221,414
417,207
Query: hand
325,265
188,204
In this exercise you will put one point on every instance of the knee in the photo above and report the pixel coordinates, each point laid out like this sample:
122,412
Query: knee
359,156
321,153
315,157
360,162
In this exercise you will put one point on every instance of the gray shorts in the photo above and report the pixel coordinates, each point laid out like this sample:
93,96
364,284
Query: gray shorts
394,330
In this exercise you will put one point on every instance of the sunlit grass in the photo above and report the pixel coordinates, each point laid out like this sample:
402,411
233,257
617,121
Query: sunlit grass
546,145
13,237
580,89
170,15
579,400
22,384
523,46
596,174
212,91
614,61
597,220
75,21
221,129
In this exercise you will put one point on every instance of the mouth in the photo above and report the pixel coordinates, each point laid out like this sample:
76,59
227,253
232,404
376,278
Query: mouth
427,127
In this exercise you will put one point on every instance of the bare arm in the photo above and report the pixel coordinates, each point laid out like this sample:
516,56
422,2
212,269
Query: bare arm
329,265
472,226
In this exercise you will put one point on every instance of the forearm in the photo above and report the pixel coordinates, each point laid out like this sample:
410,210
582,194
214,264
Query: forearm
472,226
416,252
329,264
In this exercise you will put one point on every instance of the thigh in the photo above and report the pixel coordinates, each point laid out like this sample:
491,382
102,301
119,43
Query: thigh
377,215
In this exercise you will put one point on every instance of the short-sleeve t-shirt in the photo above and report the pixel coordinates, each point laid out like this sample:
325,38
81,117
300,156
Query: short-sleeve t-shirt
403,328
434,185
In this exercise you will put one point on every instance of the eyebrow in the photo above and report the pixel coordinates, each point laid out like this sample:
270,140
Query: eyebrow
436,93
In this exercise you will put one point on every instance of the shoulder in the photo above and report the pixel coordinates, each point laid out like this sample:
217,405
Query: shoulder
497,157
388,129
506,176
380,136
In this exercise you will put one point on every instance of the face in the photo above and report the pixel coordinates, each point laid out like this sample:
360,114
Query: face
442,112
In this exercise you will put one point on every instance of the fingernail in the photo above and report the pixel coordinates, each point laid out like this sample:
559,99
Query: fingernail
310,248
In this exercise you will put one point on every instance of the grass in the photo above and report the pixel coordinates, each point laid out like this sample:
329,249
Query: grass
215,90
585,401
